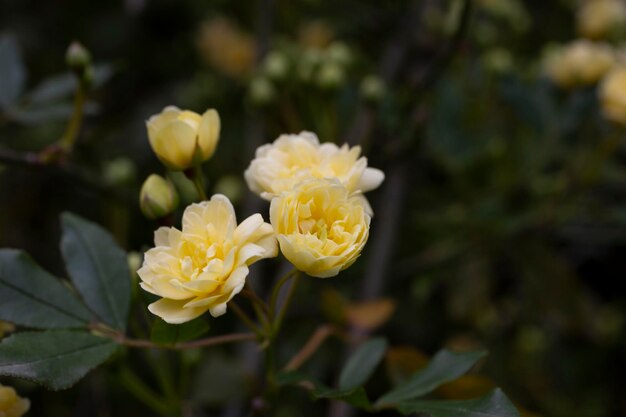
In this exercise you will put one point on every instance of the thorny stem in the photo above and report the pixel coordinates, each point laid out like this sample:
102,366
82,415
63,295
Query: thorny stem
122,339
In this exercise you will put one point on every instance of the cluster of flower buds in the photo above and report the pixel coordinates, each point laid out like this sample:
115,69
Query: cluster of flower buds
325,67
182,140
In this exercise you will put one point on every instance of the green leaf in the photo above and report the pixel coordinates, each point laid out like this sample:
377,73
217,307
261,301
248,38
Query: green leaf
494,404
356,396
446,366
34,115
61,86
30,296
170,334
54,358
362,364
98,268
12,72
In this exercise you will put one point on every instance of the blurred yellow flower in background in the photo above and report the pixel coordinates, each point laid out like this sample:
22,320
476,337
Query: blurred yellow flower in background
225,47
612,95
320,227
5,328
203,266
581,62
291,159
11,404
597,19
182,139
315,34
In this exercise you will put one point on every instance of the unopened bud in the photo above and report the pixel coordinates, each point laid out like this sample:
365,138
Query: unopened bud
119,171
134,262
262,91
339,53
158,197
276,65
77,57
372,88
330,76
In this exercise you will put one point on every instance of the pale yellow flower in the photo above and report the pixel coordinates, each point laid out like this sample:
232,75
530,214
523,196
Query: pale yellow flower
11,404
320,226
612,94
291,159
581,62
182,139
203,266
598,19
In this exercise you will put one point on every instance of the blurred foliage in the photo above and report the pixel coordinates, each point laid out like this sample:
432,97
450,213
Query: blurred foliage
512,227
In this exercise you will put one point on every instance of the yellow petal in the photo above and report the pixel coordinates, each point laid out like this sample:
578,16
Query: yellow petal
174,312
209,133
175,145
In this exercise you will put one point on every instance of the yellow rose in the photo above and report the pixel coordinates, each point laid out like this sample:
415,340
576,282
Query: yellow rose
11,404
600,18
320,226
292,159
612,94
581,62
182,139
203,266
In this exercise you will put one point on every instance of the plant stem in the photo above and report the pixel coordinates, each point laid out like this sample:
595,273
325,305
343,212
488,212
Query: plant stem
199,183
281,313
311,346
122,339
71,132
144,394
246,319
276,291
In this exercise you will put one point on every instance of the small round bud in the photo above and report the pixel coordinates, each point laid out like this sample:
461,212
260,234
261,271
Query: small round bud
262,91
372,88
77,57
498,61
339,53
158,197
134,262
330,76
276,65
119,171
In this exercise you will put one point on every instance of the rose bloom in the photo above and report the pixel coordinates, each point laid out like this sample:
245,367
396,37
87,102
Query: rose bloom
598,19
320,226
581,62
203,266
182,139
612,94
291,159
11,404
